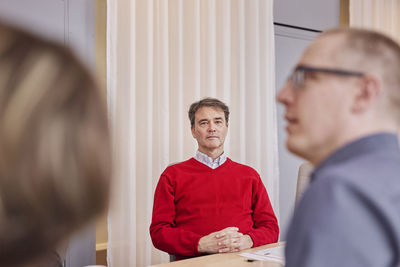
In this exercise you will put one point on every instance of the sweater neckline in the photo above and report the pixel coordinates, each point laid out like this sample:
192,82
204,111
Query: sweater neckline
207,168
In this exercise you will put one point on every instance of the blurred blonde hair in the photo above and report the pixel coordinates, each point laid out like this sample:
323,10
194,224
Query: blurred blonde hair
55,161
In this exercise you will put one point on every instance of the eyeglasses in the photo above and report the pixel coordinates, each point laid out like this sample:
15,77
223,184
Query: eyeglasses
298,76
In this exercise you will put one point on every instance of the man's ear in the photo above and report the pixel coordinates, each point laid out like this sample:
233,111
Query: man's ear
367,93
192,129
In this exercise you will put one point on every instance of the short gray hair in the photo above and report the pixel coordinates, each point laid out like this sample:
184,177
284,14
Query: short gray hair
207,102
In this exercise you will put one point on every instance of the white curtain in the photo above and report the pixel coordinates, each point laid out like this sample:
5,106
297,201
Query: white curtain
380,15
162,56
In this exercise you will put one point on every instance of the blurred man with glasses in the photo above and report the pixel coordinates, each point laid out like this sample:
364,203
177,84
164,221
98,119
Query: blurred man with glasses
343,110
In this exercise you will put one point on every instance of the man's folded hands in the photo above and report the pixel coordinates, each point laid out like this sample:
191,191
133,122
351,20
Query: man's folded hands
225,240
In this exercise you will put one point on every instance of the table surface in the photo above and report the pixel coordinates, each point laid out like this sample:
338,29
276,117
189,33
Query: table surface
226,259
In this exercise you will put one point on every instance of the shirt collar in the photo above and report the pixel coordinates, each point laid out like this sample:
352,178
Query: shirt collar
203,158
364,145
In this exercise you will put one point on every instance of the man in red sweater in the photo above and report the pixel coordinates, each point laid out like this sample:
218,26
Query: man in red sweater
209,203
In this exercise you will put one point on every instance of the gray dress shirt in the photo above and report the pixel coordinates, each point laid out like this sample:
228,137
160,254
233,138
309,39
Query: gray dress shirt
350,214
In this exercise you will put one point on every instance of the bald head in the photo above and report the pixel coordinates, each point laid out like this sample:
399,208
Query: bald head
372,53
346,85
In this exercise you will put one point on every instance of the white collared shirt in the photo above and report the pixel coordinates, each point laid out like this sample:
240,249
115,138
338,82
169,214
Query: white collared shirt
203,158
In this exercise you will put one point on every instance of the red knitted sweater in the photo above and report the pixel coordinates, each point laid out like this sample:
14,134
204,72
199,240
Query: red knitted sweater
192,200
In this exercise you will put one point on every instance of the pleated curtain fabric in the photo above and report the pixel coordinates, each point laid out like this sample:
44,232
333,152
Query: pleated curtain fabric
380,15
162,56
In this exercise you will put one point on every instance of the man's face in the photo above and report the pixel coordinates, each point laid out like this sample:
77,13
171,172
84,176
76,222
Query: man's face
210,129
317,111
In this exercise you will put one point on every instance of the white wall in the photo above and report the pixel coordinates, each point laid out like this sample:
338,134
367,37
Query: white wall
44,17
289,44
68,21
312,14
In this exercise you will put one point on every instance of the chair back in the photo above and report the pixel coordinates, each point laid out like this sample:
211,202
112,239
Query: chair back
303,179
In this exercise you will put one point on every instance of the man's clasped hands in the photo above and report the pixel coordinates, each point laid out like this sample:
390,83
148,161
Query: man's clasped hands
226,240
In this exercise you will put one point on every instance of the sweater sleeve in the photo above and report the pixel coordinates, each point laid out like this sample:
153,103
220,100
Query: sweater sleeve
265,228
164,233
